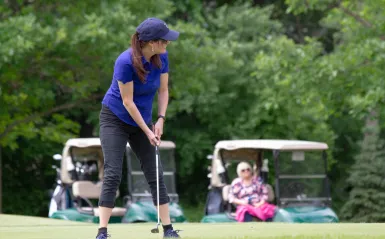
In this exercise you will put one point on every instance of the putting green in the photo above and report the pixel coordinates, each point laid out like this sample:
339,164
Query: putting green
21,227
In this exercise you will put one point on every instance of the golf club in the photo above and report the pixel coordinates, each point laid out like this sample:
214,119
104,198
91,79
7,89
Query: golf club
156,230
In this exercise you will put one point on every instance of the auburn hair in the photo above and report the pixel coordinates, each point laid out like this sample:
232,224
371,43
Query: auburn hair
137,54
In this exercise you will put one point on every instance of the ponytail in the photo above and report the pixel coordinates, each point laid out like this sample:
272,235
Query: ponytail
137,54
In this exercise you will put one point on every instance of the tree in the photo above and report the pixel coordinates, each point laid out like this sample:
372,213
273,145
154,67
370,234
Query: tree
56,63
240,69
366,201
55,57
355,63
348,79
237,90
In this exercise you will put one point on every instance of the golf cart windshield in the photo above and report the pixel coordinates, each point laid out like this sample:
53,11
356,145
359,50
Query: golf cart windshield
138,185
302,178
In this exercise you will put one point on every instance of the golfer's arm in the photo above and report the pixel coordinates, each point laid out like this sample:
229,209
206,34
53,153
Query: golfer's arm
265,193
238,201
163,94
127,92
234,199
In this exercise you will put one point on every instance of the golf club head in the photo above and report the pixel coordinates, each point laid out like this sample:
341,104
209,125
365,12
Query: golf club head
155,230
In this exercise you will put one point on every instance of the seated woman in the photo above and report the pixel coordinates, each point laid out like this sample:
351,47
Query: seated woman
250,195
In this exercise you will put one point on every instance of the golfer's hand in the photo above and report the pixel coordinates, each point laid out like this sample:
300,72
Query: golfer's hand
242,202
153,139
159,128
259,204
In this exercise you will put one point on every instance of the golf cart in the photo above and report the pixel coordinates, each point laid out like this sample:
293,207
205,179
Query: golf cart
79,182
301,186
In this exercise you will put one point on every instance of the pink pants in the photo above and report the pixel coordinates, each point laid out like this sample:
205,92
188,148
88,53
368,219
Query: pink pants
263,212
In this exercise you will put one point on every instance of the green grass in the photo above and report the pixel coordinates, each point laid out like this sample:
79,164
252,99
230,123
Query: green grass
19,227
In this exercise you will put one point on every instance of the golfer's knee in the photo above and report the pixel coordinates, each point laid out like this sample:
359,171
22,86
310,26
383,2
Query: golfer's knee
163,199
109,190
163,196
112,181
106,203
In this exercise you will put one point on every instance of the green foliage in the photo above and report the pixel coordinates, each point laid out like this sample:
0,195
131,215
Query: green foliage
28,176
348,80
291,69
250,85
61,61
367,197
193,213
56,61
300,6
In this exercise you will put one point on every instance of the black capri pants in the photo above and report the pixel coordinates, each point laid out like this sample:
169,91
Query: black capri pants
114,135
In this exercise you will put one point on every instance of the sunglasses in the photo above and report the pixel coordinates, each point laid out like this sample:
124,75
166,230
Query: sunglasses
245,170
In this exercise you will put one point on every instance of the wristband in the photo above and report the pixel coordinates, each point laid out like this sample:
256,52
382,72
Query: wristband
161,116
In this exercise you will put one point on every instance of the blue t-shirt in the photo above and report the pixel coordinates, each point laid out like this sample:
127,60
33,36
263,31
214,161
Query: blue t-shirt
144,93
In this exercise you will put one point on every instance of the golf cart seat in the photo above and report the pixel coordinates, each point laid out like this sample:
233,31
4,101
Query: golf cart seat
270,192
88,190
225,192
225,196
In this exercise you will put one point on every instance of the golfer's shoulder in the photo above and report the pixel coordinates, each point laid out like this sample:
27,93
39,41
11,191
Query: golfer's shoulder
236,181
125,58
164,57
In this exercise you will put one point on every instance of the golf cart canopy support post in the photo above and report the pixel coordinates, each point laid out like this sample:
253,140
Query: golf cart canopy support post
276,167
325,157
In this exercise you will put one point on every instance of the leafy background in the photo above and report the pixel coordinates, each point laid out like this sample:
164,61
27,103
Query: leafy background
290,69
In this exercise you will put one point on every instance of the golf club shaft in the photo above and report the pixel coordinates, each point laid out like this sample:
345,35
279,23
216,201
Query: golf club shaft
157,178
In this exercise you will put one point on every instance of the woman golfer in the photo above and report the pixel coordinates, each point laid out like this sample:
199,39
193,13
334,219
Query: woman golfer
126,114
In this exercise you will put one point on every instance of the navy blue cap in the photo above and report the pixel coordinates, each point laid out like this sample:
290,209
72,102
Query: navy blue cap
154,28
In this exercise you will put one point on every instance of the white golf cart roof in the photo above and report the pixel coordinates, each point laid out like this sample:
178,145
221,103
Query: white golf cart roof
246,148
272,144
90,142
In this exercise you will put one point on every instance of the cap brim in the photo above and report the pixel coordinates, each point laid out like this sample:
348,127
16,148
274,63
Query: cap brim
171,36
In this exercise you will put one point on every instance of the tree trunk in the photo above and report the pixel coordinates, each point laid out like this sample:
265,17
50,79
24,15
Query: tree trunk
87,129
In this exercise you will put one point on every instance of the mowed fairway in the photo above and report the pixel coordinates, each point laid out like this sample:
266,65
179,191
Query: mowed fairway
18,227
